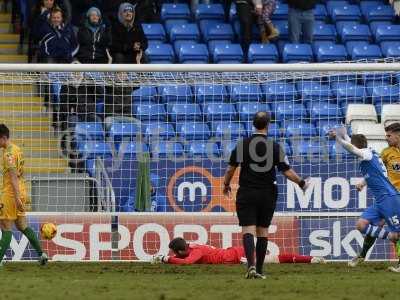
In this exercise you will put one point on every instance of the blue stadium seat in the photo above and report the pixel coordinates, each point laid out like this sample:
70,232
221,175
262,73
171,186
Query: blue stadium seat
219,111
324,32
247,110
390,49
366,52
184,112
323,126
217,31
175,11
351,44
203,149
347,91
378,12
381,93
289,111
124,131
313,90
280,91
345,13
165,149
171,22
210,93
297,53
283,28
281,11
149,111
376,24
209,12
331,52
188,31
175,93
160,52
320,12
132,149
89,131
228,130
309,149
193,130
193,52
212,44
263,53
157,130
228,53
300,128
330,5
91,150
386,33
354,32
178,44
154,32
245,92
145,94
379,78
324,110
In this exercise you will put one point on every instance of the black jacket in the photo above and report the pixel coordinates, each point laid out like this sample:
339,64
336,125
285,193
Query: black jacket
302,4
118,100
93,44
124,38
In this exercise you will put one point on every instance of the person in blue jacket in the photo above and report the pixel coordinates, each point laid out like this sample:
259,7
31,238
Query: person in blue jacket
57,43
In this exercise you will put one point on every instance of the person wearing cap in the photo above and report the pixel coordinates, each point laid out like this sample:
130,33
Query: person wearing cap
94,39
129,41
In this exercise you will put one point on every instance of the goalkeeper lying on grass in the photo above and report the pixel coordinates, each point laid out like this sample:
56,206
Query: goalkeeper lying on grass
187,254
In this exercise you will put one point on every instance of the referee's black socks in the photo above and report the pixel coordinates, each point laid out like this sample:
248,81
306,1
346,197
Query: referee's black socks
248,245
261,250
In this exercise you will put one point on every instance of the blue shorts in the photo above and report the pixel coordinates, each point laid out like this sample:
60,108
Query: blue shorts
373,216
389,208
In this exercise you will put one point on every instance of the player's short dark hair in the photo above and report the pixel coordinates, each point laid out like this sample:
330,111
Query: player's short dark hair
261,120
394,127
359,140
178,244
4,131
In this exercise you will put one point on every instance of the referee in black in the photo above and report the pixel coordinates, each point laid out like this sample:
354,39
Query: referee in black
256,198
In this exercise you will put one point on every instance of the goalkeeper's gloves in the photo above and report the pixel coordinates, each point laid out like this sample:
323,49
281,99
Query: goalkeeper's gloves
305,183
159,259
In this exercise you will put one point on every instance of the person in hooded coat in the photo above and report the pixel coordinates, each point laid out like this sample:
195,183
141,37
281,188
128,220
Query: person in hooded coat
129,41
94,39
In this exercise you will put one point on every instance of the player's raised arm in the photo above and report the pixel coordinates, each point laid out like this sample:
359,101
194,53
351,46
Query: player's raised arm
356,145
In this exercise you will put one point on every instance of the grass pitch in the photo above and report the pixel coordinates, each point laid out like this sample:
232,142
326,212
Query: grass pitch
144,281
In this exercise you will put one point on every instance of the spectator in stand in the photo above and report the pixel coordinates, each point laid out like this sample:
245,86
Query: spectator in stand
301,20
94,39
264,11
57,40
245,11
129,41
118,100
110,9
79,9
148,11
40,15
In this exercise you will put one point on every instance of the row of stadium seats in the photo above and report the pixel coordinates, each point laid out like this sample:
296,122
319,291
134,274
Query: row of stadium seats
207,31
195,130
190,52
341,92
335,10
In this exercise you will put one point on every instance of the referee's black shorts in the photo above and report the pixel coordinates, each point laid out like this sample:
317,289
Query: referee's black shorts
256,206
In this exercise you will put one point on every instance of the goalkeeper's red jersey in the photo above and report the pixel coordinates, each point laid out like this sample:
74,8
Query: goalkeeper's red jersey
204,254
